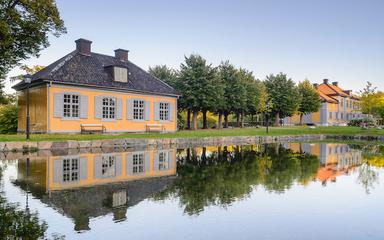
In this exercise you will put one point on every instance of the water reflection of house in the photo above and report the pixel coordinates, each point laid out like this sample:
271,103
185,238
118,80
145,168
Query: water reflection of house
336,159
89,185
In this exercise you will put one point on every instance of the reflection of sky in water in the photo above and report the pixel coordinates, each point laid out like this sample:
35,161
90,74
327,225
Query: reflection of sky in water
339,209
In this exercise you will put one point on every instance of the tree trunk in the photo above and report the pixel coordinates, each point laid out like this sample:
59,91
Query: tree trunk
237,119
220,121
194,119
205,119
189,119
242,120
225,120
277,119
301,119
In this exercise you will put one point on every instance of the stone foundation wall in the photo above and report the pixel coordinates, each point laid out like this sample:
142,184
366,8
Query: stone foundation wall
167,142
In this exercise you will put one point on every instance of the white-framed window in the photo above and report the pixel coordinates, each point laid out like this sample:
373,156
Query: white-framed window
71,105
164,111
109,108
163,161
138,163
138,109
108,166
70,169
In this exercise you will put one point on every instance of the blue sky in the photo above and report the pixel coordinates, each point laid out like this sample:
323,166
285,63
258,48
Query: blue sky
342,40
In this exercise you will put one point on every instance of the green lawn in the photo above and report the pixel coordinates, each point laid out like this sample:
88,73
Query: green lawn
201,133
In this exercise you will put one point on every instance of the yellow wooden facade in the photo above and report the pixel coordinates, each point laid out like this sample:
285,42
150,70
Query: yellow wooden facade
43,119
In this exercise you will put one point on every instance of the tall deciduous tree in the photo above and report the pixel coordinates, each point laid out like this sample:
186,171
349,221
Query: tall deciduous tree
372,101
310,99
164,73
234,90
195,85
284,95
24,29
256,94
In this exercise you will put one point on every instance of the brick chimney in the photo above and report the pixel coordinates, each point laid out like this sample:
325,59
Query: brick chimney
121,54
316,85
83,46
335,83
325,81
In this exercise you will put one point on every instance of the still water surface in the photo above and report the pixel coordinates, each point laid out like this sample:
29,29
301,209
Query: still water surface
275,191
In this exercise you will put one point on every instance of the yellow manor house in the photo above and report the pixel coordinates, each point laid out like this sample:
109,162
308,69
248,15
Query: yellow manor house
338,107
86,90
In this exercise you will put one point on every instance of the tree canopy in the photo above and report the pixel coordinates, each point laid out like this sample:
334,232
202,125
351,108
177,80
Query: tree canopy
284,95
164,73
310,99
372,101
24,29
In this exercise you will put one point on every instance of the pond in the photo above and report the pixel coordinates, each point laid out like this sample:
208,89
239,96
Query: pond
268,191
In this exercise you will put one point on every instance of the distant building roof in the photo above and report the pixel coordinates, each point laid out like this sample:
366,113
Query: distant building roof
328,92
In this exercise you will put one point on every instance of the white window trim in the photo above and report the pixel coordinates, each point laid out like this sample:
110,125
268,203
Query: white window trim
168,110
109,119
78,104
133,110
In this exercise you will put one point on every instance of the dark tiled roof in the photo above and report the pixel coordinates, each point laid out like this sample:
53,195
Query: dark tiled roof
76,68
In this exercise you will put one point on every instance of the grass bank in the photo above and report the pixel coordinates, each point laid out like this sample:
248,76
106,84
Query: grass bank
273,131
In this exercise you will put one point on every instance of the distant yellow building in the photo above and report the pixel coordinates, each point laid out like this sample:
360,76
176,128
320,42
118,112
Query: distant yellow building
89,89
338,107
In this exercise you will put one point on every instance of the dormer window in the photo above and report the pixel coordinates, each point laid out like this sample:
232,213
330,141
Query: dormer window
120,74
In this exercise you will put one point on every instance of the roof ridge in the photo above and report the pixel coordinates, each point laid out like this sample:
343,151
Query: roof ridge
137,67
335,89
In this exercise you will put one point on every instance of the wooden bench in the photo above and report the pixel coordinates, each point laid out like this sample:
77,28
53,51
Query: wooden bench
155,128
92,128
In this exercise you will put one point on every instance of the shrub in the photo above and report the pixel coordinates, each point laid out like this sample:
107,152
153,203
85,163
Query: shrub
361,121
8,119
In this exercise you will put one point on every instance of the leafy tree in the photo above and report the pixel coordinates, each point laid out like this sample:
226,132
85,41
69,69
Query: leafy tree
3,95
164,73
8,119
24,29
310,99
256,94
196,84
284,95
234,90
372,101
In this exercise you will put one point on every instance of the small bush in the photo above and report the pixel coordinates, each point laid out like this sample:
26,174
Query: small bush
8,119
368,122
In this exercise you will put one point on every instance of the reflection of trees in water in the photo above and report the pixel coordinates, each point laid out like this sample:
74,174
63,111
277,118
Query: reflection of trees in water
373,156
367,177
226,175
16,223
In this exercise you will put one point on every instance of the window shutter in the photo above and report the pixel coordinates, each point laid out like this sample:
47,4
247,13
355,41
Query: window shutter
129,109
119,108
58,105
157,113
171,159
129,164
98,167
171,112
58,171
146,162
118,165
83,106
156,161
83,168
98,107
147,110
